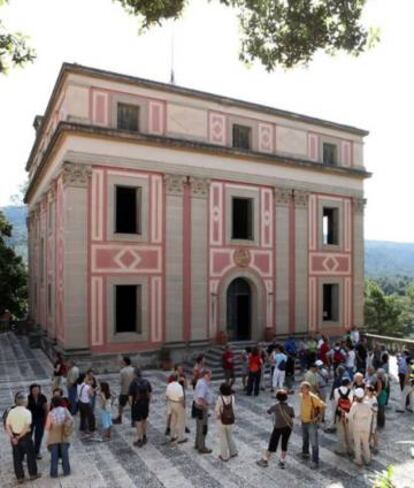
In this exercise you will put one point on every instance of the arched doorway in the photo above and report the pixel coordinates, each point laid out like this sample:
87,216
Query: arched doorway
239,310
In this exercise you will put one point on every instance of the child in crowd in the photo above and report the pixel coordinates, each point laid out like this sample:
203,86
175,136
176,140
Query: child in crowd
105,403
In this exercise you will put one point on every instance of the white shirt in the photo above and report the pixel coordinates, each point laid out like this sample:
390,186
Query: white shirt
83,393
350,359
18,418
175,392
355,336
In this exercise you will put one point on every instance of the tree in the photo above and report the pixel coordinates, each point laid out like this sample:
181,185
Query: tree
13,275
14,50
281,33
383,313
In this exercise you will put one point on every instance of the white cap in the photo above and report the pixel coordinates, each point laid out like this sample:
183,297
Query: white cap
318,363
359,393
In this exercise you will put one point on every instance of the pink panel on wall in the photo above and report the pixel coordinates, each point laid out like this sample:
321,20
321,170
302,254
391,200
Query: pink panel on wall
269,303
97,197
329,264
156,309
266,138
156,117
266,218
313,147
220,261
312,223
347,225
262,262
126,259
216,214
217,128
97,307
100,108
156,209
313,305
59,260
347,302
213,309
346,152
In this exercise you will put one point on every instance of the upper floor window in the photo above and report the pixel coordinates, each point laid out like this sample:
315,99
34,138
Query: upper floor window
331,302
330,226
128,117
242,218
242,136
330,154
128,308
127,210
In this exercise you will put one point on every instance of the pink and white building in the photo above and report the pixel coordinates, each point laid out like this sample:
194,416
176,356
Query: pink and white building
160,215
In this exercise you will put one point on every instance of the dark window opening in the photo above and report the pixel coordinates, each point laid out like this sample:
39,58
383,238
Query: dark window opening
128,117
241,136
330,302
127,215
330,154
330,226
242,224
127,308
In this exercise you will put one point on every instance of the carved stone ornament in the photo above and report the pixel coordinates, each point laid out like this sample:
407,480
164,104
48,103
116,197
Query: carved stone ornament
51,194
283,196
174,184
75,174
242,257
358,205
301,198
199,187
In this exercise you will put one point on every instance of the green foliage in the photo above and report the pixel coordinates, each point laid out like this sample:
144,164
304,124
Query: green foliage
14,50
384,479
13,275
281,33
389,315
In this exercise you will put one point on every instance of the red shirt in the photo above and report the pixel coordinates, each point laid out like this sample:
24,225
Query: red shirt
324,349
228,357
255,363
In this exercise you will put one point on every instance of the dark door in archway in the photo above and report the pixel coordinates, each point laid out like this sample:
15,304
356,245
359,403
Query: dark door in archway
239,310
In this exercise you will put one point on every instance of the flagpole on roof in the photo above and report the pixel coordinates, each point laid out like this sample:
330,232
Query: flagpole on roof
172,74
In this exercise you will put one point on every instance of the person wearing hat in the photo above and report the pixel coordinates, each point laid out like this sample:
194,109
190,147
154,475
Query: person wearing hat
139,394
343,396
360,418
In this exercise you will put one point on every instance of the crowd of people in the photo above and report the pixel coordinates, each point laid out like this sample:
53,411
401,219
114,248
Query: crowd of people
344,388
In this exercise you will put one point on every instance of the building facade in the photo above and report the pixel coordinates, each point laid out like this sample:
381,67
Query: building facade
160,215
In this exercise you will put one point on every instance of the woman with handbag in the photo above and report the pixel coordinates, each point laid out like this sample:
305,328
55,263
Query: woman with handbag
225,417
59,425
283,425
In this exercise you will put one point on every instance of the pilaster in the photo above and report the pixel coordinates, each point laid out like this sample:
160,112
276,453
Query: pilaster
358,205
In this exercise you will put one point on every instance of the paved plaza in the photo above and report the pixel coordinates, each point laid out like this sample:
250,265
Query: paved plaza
118,464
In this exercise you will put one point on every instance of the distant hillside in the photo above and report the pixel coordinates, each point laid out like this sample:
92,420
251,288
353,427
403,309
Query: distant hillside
389,259
17,217
381,258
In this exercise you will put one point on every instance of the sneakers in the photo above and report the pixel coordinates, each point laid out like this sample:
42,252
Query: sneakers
263,463
205,451
314,465
305,455
35,477
281,464
139,443
399,411
167,431
117,420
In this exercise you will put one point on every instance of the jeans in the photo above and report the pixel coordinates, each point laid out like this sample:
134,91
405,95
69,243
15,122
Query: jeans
73,399
310,434
38,429
87,417
24,447
61,450
201,430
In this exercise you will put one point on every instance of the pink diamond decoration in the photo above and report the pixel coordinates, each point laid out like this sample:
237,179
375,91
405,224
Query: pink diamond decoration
127,259
330,263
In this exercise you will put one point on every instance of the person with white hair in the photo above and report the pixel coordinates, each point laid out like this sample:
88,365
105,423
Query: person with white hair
18,422
360,418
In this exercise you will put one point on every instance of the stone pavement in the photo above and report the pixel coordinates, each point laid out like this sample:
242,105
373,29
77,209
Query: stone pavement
118,464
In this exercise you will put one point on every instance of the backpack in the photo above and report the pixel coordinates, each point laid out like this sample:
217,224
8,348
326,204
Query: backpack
142,392
5,415
282,365
344,402
227,413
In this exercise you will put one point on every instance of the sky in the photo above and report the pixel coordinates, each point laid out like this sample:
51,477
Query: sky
373,91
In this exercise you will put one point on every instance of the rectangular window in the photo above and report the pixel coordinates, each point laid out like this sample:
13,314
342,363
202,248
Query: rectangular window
127,210
128,117
330,226
128,308
242,218
330,302
330,154
242,136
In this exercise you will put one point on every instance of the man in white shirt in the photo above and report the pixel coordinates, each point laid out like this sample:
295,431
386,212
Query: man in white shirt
350,361
18,422
176,409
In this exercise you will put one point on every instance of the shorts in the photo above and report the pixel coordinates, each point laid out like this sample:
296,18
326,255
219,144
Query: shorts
123,400
284,432
140,411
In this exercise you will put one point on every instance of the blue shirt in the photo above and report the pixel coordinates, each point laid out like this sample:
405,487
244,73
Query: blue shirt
402,365
202,391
